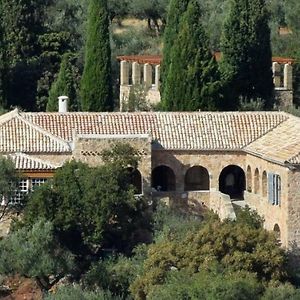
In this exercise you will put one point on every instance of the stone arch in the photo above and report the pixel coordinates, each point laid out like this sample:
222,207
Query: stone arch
136,180
163,179
277,232
249,179
256,181
196,179
232,181
264,184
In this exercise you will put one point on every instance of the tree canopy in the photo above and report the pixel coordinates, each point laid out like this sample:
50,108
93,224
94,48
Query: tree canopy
93,208
246,53
96,87
192,81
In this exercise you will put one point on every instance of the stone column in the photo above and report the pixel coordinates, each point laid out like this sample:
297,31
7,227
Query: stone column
288,77
136,73
276,74
157,77
124,72
147,75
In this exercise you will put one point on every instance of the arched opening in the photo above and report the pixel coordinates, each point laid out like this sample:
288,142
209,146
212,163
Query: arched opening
196,179
163,179
249,179
136,180
256,181
264,184
232,182
277,232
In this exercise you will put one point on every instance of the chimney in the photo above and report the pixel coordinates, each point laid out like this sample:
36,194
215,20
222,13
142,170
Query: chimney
63,104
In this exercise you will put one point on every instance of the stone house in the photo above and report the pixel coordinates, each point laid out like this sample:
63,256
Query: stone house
216,159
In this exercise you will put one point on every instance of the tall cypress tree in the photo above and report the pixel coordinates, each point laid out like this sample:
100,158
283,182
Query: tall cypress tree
64,85
247,57
96,88
175,11
193,80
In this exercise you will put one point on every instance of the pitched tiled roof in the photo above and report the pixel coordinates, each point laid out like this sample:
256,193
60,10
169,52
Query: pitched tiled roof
172,130
19,135
25,162
274,135
281,144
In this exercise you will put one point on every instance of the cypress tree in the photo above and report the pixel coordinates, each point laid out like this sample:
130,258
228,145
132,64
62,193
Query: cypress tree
96,88
175,11
247,57
64,85
192,81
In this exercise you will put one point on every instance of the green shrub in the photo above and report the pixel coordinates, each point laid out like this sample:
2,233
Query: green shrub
77,293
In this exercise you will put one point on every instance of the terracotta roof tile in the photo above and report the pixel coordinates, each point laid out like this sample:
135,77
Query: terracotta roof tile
19,135
26,162
282,143
172,130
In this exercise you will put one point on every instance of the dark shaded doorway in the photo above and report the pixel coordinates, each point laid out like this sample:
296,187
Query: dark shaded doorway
196,179
136,180
163,179
232,182
277,232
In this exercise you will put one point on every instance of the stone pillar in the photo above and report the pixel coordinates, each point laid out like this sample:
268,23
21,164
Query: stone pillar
276,74
157,77
147,75
136,73
288,77
124,72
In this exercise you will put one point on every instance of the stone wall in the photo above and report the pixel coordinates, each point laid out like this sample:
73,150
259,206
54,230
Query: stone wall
215,162
293,207
273,214
181,161
88,149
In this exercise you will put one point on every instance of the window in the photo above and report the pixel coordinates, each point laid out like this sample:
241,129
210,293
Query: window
37,182
21,192
274,187
26,185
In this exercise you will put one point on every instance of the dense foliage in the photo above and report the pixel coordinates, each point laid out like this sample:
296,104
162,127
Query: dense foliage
34,36
93,208
191,81
34,252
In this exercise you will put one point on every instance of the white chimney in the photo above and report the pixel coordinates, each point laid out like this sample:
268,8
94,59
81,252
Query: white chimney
63,104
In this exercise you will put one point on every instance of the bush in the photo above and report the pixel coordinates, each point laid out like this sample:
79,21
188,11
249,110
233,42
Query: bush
281,292
208,285
77,293
34,252
113,274
232,246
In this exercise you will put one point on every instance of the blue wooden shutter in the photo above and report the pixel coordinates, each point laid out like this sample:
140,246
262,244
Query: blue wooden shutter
270,188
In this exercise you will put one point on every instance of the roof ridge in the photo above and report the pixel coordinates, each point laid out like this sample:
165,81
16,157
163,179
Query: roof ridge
45,132
268,131
8,116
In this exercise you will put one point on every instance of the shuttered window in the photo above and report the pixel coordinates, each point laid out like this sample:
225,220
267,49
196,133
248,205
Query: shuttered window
274,189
